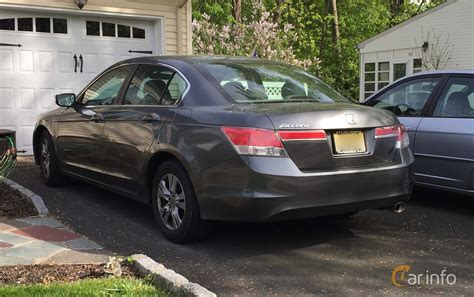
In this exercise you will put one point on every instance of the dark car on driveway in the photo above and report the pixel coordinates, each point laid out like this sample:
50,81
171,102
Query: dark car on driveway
220,138
437,109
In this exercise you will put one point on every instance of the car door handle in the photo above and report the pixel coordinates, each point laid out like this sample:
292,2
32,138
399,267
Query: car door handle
151,117
98,117
408,128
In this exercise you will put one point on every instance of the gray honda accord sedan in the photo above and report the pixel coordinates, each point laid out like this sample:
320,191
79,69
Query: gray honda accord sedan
225,138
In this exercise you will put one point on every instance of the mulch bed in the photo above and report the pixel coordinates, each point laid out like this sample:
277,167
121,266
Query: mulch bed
12,205
44,274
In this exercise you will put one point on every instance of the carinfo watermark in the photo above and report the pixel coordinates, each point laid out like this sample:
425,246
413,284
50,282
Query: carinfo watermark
402,277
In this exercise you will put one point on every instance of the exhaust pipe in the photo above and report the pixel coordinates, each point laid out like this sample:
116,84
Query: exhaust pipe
399,207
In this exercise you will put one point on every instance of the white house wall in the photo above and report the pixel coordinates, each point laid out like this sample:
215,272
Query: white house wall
453,19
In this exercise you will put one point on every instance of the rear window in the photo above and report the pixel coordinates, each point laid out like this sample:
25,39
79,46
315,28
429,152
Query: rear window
260,82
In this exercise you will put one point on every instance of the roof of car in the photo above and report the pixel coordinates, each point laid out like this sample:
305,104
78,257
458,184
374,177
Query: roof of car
197,59
444,71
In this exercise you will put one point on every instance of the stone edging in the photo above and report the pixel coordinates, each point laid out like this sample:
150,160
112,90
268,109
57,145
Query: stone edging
168,279
29,195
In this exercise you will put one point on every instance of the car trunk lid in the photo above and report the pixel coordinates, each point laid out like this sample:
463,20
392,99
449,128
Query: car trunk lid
331,136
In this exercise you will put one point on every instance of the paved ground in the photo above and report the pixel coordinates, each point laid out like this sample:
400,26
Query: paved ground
354,256
45,240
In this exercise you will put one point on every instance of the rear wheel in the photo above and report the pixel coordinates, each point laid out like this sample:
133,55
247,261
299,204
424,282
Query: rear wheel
49,164
175,205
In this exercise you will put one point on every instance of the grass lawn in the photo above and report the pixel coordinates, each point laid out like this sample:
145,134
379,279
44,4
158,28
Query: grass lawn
111,286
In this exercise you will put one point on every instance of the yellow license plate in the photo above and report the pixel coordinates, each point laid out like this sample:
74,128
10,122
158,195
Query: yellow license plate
349,142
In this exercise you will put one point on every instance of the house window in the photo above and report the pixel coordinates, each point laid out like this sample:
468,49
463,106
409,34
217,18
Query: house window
383,74
25,24
60,26
92,28
43,25
417,65
123,31
399,70
138,33
369,78
7,24
376,76
108,29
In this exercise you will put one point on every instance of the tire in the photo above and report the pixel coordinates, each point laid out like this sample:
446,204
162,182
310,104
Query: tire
176,209
50,173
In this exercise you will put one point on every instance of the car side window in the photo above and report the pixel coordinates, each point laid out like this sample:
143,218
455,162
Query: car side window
408,98
154,85
106,89
457,99
176,88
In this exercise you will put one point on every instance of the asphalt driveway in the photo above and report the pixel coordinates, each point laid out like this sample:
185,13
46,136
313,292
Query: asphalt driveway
353,256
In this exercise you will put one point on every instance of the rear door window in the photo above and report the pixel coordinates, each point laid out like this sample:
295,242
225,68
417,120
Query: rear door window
154,85
407,98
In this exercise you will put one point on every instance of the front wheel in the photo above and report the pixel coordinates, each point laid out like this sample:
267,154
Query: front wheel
49,164
175,205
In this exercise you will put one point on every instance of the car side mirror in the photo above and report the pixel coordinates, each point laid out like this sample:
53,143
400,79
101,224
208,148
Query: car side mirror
66,99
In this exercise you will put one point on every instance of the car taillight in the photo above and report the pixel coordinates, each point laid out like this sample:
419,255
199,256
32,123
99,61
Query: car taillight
255,142
303,135
397,131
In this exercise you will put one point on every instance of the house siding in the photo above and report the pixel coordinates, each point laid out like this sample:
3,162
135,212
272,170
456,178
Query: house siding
453,21
169,10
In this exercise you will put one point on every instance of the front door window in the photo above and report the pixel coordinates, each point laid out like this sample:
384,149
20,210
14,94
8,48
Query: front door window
106,89
408,98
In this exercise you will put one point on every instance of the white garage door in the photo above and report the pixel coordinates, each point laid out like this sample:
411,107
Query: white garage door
45,54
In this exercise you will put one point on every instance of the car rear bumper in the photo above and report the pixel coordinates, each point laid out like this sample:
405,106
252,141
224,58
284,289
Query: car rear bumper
265,189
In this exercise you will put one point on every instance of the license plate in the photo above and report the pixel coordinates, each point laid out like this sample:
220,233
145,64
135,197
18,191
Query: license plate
349,142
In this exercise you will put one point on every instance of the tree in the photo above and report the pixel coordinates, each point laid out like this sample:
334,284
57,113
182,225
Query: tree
256,33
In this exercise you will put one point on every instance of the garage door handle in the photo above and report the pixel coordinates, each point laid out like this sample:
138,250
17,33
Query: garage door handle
10,44
75,63
151,117
98,117
82,61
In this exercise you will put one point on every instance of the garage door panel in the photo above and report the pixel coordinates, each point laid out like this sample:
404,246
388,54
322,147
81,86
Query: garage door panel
91,63
7,98
26,61
6,60
107,60
27,98
46,97
65,62
45,61
25,138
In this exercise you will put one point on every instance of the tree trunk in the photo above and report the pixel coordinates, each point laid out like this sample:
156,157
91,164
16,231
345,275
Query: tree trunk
237,10
335,29
336,42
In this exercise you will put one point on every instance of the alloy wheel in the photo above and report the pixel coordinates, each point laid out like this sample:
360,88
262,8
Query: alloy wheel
171,201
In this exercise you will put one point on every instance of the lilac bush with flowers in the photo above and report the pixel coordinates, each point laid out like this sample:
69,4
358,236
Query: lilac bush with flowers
256,35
